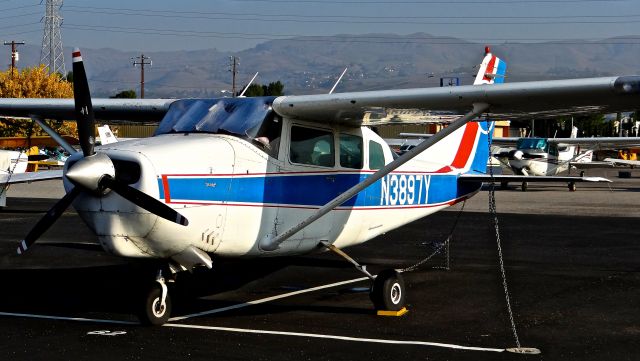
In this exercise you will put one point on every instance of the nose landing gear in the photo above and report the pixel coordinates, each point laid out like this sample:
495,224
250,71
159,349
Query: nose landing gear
156,308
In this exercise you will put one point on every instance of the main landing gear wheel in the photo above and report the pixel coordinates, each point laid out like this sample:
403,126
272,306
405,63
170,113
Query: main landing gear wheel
388,292
157,305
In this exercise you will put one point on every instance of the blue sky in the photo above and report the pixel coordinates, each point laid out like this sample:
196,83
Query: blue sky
239,24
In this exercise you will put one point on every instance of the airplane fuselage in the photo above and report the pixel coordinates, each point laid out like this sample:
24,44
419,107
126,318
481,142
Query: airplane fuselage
547,159
234,192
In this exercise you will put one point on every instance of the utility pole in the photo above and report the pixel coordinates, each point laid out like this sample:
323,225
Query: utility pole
234,62
15,56
142,62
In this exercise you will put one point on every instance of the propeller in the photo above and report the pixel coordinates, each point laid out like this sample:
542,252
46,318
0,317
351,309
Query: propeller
95,172
83,108
49,218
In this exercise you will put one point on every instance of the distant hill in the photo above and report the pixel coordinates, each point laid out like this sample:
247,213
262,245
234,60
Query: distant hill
309,65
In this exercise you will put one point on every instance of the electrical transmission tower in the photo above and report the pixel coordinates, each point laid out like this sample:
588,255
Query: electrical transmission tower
52,53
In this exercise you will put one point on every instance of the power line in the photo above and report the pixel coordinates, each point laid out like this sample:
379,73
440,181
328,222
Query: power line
19,7
441,20
342,39
428,2
204,14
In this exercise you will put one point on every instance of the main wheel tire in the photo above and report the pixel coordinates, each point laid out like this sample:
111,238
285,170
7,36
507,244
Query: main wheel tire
153,313
388,292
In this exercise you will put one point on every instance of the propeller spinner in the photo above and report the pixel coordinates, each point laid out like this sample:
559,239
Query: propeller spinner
95,172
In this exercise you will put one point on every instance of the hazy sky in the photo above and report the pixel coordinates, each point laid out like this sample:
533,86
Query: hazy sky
239,24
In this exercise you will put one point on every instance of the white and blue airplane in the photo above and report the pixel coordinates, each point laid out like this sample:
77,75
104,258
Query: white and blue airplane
282,176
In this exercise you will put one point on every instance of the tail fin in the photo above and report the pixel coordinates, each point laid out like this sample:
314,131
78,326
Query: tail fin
492,69
574,132
467,149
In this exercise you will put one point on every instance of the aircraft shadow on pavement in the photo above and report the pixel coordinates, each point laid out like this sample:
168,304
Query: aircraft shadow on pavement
118,289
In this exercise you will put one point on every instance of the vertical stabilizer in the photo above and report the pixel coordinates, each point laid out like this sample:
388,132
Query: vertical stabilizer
492,69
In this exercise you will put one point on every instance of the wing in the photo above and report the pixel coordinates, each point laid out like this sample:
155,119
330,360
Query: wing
29,177
600,143
622,162
523,178
149,110
539,99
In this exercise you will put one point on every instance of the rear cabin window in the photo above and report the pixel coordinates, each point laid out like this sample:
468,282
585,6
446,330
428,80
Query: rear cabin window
312,147
350,151
376,155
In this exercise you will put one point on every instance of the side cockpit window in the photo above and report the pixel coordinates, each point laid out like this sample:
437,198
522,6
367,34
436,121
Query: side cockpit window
376,155
312,147
350,151
268,136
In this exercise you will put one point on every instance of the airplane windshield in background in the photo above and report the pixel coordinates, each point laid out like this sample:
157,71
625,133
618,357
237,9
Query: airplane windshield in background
532,143
237,116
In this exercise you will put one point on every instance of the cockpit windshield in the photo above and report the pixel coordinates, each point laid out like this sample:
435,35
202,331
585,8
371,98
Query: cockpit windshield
532,143
236,116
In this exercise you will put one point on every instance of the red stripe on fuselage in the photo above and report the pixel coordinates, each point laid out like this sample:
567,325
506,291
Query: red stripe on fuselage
466,145
165,185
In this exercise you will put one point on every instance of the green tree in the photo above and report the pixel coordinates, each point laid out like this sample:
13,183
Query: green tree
592,125
125,94
272,89
254,90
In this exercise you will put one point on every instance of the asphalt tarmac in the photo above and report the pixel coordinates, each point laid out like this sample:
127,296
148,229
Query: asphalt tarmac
571,262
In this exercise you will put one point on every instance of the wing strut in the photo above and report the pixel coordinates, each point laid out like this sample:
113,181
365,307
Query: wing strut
271,242
52,133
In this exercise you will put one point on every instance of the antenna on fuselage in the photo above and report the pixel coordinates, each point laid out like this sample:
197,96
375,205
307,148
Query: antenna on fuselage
338,81
247,87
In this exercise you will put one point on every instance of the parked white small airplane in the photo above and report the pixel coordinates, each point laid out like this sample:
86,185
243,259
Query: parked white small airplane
552,156
289,175
13,167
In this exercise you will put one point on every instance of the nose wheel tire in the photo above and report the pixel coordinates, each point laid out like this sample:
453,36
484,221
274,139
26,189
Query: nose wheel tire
388,291
154,312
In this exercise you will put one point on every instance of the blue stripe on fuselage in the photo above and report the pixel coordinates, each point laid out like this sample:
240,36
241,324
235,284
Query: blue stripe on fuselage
315,190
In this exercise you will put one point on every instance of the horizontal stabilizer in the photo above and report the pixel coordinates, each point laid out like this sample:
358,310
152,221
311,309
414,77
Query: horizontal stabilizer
523,178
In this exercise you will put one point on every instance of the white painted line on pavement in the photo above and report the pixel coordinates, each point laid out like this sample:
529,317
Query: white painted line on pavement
334,337
61,318
268,299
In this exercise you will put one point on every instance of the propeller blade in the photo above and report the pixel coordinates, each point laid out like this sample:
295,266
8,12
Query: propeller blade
49,218
144,200
83,107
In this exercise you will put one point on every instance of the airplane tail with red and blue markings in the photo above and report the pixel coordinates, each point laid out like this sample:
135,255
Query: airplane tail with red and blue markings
492,69
467,149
